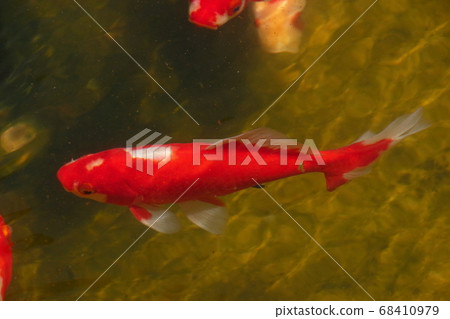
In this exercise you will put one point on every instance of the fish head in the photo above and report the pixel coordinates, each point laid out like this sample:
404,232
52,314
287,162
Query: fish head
100,177
214,13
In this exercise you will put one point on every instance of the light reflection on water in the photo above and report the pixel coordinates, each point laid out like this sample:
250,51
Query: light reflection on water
389,230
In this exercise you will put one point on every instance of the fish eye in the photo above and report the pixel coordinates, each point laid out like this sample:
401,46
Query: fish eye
86,189
236,9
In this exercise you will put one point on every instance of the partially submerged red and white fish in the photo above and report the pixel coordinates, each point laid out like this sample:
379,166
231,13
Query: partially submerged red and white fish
279,24
5,258
214,13
197,173
278,21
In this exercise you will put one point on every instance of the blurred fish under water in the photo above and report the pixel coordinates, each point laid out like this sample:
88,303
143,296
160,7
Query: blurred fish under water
20,141
214,13
279,24
5,258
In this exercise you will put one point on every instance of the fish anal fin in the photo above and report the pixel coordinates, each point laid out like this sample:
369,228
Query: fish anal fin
212,218
156,218
334,181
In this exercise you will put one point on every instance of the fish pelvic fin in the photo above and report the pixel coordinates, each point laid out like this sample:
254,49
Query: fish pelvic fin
344,164
159,219
210,217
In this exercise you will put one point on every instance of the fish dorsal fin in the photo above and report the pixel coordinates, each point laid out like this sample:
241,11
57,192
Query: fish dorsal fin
210,217
262,133
156,218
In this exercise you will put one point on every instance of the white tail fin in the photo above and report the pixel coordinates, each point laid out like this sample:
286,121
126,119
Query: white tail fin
355,160
399,129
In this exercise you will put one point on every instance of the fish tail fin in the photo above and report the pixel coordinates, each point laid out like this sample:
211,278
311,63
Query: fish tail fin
344,164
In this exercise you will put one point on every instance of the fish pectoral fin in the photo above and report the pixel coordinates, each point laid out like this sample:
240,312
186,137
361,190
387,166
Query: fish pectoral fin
159,219
211,218
262,133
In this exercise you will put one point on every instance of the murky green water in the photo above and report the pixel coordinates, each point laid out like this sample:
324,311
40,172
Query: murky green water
63,77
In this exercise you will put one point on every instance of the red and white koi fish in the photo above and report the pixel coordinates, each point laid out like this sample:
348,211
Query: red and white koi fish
214,13
279,24
5,258
196,175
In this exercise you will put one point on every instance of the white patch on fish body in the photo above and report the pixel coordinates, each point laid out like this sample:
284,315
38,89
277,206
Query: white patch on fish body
154,153
194,6
95,163
221,19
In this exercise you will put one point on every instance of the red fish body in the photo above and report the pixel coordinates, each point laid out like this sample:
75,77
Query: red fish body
201,172
5,258
214,13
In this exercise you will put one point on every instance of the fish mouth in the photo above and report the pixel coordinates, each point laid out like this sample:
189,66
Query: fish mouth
208,26
63,180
